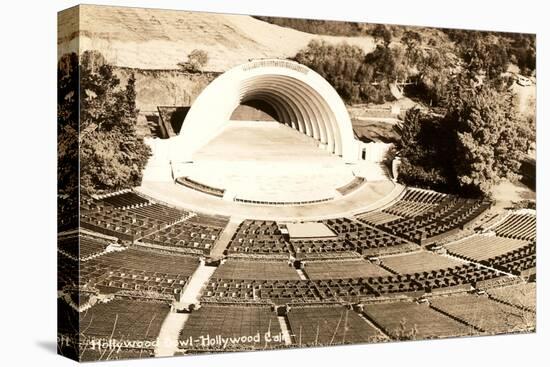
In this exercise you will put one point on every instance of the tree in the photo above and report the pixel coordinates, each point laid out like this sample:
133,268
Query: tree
358,78
112,154
412,41
426,151
196,61
491,140
381,32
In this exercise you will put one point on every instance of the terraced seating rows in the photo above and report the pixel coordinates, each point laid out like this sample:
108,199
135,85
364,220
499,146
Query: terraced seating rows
160,212
198,233
124,320
138,271
482,312
518,226
410,320
329,325
341,269
265,237
261,290
361,236
320,246
234,322
348,289
414,202
257,269
418,262
125,199
259,237
444,219
482,247
89,246
376,217
126,225
516,261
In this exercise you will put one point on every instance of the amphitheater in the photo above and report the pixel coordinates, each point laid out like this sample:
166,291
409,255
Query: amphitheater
285,231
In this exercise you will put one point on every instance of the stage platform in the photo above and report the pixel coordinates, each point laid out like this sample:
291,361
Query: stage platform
267,170
267,161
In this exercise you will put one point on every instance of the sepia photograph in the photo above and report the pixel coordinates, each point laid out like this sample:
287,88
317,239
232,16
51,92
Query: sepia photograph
231,183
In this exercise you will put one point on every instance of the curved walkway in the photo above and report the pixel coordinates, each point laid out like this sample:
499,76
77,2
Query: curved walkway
370,196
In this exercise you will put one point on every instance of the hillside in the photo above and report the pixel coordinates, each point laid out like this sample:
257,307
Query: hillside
159,39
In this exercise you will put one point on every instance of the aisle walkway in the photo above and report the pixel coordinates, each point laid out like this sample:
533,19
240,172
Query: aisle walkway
167,342
225,237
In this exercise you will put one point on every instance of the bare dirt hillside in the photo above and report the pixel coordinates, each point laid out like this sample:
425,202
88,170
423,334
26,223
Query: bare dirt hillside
159,39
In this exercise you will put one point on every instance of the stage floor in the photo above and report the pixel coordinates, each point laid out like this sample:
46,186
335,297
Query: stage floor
268,161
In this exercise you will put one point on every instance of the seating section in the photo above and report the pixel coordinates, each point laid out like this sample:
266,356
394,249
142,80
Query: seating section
376,217
124,224
424,217
341,269
237,289
329,325
481,247
483,313
518,262
349,289
159,212
362,236
258,237
372,261
450,215
508,254
261,270
418,262
242,327
89,246
141,272
124,320
404,320
125,199
198,233
318,247
414,202
518,226
353,238
522,295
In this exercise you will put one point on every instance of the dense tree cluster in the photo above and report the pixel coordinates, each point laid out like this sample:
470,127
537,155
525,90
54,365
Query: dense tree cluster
112,155
494,50
357,77
479,141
